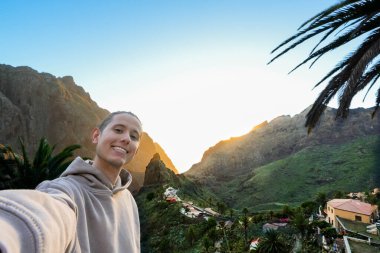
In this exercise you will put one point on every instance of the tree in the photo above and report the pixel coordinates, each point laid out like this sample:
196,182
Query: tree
231,211
213,235
371,199
206,243
45,165
210,201
245,221
350,19
301,223
321,199
211,223
339,195
273,242
309,207
190,235
286,211
221,207
329,232
150,196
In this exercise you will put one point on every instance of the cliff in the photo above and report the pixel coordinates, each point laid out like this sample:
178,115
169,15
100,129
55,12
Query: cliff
35,105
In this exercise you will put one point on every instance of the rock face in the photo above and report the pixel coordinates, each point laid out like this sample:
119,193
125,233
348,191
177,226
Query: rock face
35,105
157,172
146,151
278,139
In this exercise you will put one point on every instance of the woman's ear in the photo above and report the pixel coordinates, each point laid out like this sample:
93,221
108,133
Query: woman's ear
95,135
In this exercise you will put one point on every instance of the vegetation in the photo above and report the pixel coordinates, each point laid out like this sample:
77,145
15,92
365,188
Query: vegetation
327,169
19,173
166,229
349,20
273,242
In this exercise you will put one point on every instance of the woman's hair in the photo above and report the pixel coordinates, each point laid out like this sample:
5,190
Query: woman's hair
108,119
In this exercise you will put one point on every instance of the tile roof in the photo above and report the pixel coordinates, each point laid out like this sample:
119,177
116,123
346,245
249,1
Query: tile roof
351,205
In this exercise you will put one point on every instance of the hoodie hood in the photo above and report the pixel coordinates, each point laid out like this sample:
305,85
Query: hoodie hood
95,178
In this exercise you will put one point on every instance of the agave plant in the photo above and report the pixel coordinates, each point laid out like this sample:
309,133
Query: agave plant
347,21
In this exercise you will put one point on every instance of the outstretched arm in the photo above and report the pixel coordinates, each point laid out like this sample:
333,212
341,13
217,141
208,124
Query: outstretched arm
33,221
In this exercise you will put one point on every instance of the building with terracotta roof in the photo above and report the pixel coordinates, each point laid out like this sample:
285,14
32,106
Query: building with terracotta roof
350,209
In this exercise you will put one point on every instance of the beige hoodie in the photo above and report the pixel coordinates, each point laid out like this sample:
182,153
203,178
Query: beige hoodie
107,215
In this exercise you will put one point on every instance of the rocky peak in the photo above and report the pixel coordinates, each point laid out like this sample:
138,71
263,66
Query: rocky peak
157,173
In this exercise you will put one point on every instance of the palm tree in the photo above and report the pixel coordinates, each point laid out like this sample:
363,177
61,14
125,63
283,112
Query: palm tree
245,220
206,243
361,68
190,235
231,211
300,223
45,166
273,242
321,199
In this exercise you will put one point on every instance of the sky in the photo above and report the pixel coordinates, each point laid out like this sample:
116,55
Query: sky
194,71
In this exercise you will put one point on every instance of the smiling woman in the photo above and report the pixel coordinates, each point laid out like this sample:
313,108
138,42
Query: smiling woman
86,193
117,140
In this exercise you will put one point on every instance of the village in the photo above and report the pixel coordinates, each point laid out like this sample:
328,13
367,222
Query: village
353,218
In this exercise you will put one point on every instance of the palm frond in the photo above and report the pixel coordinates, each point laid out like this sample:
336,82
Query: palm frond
327,12
348,17
368,51
377,103
341,40
322,101
24,163
370,76
351,19
57,164
323,39
348,13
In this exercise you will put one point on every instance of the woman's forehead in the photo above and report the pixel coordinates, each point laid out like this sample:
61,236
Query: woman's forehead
126,120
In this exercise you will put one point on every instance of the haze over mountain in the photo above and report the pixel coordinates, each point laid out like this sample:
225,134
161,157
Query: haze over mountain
243,168
35,105
280,138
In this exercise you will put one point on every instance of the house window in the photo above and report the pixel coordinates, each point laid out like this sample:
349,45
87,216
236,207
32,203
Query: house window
358,218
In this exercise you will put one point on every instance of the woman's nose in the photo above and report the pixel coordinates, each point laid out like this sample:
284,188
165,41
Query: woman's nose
126,138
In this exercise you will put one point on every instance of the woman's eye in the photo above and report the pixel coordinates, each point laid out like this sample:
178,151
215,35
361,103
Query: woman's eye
117,130
134,137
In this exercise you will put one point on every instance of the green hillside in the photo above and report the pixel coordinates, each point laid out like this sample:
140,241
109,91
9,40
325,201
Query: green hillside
349,167
163,227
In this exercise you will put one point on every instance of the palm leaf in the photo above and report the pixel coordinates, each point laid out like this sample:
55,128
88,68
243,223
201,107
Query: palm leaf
57,164
352,19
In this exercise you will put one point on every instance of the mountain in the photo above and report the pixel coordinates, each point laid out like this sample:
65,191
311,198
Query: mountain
35,105
163,227
157,173
247,170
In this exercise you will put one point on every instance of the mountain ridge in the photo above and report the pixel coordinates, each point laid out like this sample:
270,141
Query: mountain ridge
35,105
277,139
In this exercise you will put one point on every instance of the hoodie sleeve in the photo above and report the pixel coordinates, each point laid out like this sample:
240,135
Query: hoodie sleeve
33,221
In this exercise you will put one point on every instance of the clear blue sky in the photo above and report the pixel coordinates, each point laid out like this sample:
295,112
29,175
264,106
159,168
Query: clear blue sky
193,70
